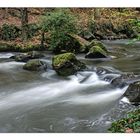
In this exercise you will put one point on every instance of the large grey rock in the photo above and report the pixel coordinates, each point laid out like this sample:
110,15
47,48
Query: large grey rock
131,80
133,92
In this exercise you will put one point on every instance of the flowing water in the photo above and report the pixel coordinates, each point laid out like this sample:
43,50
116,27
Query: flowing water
84,102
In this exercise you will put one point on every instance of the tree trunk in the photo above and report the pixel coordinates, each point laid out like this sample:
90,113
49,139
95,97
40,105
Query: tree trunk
24,24
5,13
96,13
42,39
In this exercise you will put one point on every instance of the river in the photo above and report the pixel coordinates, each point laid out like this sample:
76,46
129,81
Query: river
44,102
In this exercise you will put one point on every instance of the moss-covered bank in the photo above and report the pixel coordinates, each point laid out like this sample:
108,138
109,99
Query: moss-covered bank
15,47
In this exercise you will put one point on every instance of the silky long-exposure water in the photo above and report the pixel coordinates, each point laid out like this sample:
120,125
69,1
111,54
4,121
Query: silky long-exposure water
46,102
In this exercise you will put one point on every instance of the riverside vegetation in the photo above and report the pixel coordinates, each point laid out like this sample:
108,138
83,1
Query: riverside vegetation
67,32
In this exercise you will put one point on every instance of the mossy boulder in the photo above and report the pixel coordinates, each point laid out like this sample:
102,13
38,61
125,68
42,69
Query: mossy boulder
96,52
80,43
66,64
27,56
35,65
84,46
97,43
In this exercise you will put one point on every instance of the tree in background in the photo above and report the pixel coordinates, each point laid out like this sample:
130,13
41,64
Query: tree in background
5,13
59,24
96,13
24,24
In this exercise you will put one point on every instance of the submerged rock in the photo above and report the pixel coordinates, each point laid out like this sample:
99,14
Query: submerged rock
106,70
35,65
27,56
66,64
96,52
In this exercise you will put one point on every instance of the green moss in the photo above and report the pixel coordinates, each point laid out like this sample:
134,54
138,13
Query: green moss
131,122
67,64
81,42
96,49
97,43
60,59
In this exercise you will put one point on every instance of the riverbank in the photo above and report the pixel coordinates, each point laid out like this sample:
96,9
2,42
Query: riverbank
112,24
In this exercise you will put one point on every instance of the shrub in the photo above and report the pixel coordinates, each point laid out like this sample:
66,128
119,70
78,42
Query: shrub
9,32
136,27
59,23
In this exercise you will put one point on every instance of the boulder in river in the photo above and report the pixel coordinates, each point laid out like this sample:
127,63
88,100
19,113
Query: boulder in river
97,43
133,92
28,56
66,64
80,43
35,65
96,52
133,81
123,80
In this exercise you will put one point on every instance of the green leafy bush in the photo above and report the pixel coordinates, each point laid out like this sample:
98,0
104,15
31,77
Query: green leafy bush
33,29
129,124
9,32
59,24
136,26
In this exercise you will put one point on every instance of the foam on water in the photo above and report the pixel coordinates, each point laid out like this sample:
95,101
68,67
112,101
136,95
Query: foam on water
99,98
